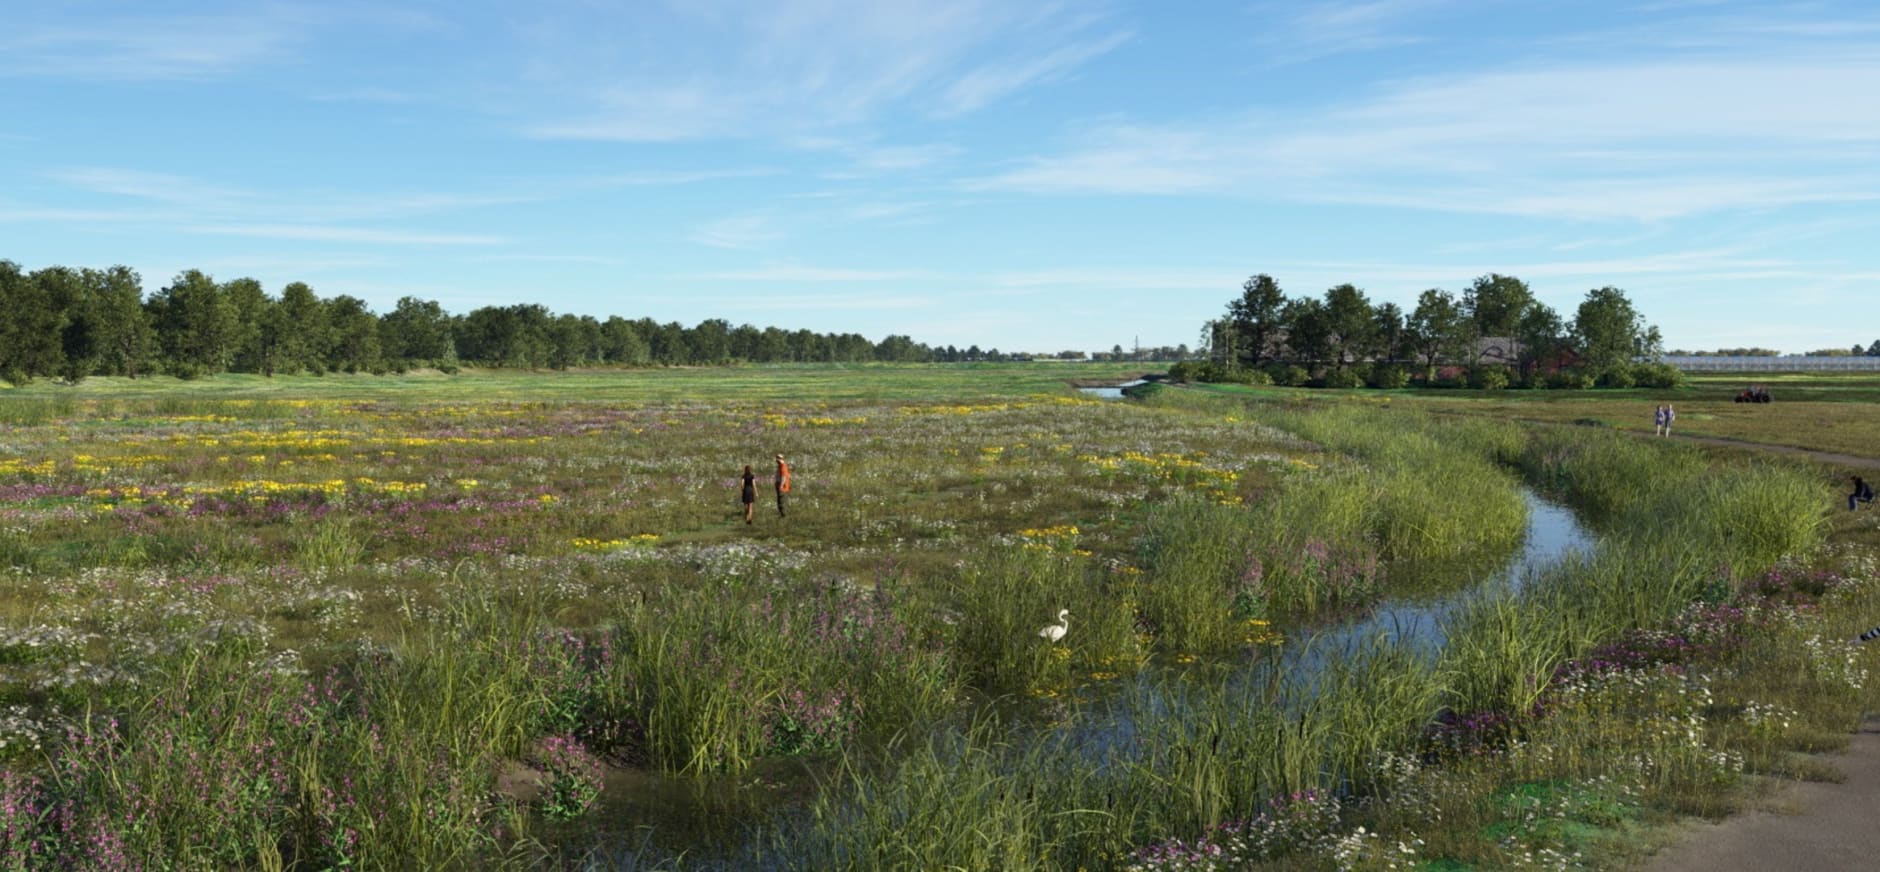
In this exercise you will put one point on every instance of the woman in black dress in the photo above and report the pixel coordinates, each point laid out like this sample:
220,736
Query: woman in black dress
750,492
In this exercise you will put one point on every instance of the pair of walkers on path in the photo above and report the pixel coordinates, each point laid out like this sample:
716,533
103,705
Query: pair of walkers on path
1662,419
750,489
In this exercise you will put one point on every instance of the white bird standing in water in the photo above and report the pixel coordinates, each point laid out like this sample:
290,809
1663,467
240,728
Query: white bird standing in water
1054,632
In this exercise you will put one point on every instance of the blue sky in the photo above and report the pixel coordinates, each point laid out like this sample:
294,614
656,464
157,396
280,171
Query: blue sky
1022,175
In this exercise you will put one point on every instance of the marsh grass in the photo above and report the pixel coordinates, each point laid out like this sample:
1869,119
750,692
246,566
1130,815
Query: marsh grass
1002,599
722,678
477,585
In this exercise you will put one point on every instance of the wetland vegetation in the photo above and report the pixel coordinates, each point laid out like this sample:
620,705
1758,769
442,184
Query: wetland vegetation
394,623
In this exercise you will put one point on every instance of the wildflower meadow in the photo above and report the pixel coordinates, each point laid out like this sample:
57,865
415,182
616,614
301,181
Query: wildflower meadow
327,623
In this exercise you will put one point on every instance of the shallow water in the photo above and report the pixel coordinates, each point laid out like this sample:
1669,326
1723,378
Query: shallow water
644,816
1111,392
1552,534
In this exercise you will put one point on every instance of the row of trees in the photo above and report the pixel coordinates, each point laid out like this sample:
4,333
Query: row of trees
68,323
1263,326
1859,350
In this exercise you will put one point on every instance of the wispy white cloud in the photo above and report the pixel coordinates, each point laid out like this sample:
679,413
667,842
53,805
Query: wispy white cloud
652,113
545,258
994,81
151,46
795,67
800,273
1638,140
66,215
1117,279
328,233
750,230
839,302
650,178
365,94
1295,32
867,157
144,185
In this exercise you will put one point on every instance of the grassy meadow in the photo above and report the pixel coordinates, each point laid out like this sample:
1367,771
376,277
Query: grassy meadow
1830,412
446,622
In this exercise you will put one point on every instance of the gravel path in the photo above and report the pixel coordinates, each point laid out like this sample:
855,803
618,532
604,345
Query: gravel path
1812,825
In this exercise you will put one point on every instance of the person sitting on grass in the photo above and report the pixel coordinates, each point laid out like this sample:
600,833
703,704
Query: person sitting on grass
1863,493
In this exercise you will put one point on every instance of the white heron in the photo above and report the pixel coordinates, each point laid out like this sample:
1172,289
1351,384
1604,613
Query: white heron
1054,632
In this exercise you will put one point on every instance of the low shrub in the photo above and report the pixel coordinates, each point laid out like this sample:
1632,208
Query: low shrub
1343,379
1288,375
1616,377
1657,375
1570,379
1491,377
1390,377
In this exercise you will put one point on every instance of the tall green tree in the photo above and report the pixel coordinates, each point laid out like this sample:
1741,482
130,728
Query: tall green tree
1350,324
1438,328
1392,337
1495,304
1308,330
353,337
67,294
416,332
710,341
305,330
251,304
127,343
1608,332
1256,318
1541,337
29,327
621,342
196,325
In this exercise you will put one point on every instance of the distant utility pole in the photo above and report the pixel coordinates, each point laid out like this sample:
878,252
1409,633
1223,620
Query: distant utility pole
1137,354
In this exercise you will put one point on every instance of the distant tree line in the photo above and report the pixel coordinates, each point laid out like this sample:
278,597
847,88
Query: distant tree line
1859,350
1494,335
1726,352
66,323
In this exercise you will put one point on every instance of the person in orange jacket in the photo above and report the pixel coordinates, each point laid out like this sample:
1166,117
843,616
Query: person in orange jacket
783,483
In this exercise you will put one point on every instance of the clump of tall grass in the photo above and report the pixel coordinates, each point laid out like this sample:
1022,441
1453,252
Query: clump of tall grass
331,548
960,801
1606,474
1432,488
996,605
720,678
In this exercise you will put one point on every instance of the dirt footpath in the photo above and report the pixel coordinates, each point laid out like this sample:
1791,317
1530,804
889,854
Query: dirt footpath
1829,457
1815,826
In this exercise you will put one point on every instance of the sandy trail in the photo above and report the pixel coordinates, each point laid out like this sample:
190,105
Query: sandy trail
1813,826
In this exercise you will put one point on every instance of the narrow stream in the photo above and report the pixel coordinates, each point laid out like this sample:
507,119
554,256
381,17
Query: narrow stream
1552,534
1111,392
644,816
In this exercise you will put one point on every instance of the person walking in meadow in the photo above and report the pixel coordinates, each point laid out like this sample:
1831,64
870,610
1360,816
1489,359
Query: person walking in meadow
750,493
1658,421
1670,416
783,483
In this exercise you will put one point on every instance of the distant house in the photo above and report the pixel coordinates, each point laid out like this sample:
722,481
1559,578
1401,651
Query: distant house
1502,350
1506,351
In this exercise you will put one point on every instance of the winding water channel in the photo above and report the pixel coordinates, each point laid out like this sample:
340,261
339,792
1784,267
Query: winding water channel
645,816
